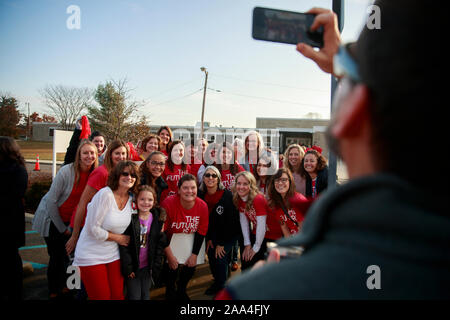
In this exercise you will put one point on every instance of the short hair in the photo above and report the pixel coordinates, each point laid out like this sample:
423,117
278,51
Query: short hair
220,185
111,147
186,177
321,161
114,175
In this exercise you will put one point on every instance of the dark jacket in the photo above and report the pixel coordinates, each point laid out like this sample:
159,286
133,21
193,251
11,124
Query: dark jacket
73,146
161,185
129,256
224,225
14,180
321,182
373,221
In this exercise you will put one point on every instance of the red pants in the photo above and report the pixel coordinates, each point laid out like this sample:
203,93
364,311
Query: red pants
103,281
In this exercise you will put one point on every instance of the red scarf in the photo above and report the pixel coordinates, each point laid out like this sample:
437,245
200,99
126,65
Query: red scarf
212,199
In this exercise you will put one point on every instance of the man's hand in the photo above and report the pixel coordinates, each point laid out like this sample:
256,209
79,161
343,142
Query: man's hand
274,257
331,39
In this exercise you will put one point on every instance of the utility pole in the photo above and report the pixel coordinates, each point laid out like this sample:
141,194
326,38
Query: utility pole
338,8
204,97
28,121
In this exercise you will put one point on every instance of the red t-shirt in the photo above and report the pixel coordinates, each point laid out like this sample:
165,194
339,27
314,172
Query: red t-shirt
194,168
70,205
98,178
299,204
273,231
181,220
259,208
171,177
228,178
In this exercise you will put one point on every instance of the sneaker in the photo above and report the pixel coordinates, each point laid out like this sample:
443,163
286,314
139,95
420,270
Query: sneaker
234,266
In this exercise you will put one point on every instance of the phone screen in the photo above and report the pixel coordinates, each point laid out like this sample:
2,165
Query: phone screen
285,27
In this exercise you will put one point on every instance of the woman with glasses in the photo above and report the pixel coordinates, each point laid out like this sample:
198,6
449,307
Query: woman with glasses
288,206
223,227
108,216
253,209
150,172
117,151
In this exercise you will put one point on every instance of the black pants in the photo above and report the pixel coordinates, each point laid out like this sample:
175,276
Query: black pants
260,255
58,262
12,273
177,281
219,266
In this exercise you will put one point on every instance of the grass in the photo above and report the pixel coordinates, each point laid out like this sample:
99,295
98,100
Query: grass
30,149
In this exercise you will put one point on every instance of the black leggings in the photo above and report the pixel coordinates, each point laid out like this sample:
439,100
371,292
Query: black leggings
176,290
260,255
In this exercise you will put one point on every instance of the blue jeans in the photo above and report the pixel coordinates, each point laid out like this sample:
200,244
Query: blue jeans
219,266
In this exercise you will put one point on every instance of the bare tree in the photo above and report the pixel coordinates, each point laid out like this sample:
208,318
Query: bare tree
66,103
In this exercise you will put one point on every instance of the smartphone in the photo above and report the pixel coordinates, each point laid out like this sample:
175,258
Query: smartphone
285,252
285,27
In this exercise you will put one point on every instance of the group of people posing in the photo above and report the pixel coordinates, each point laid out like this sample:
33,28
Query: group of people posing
113,210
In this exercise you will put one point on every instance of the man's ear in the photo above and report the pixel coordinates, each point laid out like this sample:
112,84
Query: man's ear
353,114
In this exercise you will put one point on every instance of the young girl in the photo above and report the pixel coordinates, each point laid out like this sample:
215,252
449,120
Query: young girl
139,261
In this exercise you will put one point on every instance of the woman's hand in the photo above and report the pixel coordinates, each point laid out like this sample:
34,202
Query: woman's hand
220,252
248,253
191,261
121,239
132,275
209,244
71,244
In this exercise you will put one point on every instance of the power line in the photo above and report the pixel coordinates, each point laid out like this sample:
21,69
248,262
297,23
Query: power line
268,83
178,98
270,99
173,88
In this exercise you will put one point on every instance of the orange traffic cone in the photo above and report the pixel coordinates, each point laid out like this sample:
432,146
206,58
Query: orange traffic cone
36,165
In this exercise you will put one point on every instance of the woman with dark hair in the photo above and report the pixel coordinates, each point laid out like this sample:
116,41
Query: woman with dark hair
227,165
117,151
314,166
288,206
149,144
186,213
150,172
266,166
99,140
175,167
223,227
165,133
108,216
53,215
12,192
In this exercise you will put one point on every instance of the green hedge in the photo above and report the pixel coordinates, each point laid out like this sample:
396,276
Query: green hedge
34,195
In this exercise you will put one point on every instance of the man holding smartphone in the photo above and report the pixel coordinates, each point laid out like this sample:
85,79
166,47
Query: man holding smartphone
386,233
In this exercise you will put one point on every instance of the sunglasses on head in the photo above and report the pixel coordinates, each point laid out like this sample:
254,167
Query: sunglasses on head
210,175
126,174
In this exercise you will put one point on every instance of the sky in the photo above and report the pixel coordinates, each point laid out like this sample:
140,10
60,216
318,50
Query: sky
159,47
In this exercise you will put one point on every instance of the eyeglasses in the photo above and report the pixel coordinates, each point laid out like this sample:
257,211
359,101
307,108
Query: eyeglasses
156,163
281,180
126,174
210,175
344,64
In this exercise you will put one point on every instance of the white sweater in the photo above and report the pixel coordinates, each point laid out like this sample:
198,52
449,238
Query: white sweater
102,216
